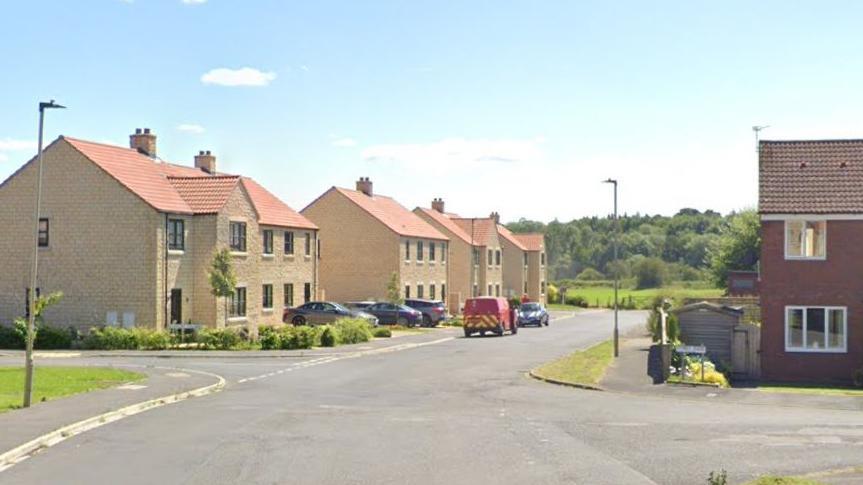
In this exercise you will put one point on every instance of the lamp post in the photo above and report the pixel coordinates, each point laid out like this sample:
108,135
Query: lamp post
616,276
31,303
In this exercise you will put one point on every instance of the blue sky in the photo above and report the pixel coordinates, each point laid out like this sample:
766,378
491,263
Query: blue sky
518,107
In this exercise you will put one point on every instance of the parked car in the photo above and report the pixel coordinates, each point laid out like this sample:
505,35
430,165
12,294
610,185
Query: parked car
321,313
488,314
392,314
434,311
532,314
359,305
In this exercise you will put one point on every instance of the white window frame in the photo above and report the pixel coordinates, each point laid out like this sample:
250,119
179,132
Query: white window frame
804,220
825,350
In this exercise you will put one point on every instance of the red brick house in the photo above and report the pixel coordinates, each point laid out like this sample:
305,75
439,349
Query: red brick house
811,207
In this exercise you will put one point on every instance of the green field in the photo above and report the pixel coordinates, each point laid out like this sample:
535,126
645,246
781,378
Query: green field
603,296
54,382
582,367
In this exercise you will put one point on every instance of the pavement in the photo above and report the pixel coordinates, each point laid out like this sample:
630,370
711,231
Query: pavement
629,374
439,408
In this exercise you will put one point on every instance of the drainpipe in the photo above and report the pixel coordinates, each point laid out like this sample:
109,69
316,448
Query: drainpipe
165,276
316,293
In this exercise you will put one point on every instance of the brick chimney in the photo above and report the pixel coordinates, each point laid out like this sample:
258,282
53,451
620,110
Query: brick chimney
364,185
495,216
206,161
144,142
437,204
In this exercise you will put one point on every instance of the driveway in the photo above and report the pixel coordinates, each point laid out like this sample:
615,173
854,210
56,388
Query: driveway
448,411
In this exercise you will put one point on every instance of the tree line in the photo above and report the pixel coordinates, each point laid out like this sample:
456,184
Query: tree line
652,249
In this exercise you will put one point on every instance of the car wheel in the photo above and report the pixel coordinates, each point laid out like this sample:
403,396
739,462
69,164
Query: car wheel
427,321
467,333
298,321
513,330
402,321
546,321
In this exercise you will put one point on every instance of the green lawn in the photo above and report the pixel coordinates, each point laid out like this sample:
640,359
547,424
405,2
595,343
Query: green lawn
603,296
771,480
810,389
582,367
55,382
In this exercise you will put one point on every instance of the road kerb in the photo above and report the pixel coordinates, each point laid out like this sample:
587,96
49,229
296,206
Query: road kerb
550,380
20,453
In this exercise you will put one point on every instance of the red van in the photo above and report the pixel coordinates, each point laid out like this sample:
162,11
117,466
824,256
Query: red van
488,314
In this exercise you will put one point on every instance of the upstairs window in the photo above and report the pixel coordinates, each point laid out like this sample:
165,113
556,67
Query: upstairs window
805,239
497,257
419,250
542,258
176,234
443,252
407,250
43,232
308,244
431,251
238,237
490,257
268,241
289,242
476,257
525,259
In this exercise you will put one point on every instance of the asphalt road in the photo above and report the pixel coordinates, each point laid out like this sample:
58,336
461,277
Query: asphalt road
455,411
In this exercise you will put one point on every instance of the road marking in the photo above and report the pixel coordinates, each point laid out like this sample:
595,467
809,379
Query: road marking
131,387
351,355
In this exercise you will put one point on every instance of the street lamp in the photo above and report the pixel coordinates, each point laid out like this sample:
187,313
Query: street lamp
616,269
31,303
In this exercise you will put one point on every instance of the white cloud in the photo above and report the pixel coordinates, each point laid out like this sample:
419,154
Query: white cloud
10,144
190,128
245,76
456,152
304,68
345,142
194,2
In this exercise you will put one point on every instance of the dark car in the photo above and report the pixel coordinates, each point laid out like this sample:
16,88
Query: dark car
532,314
392,314
434,311
321,313
359,305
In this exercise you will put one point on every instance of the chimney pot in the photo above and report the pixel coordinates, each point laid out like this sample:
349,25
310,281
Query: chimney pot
205,161
496,217
438,205
364,185
144,142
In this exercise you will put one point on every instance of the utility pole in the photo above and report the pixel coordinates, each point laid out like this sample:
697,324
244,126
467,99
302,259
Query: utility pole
616,275
757,129
31,303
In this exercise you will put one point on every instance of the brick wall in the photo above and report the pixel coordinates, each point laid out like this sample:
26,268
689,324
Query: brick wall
836,281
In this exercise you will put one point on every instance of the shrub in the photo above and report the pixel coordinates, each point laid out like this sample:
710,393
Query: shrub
858,377
10,338
576,300
298,337
51,338
654,322
590,274
552,294
711,375
148,339
514,302
454,322
328,336
352,331
649,273
218,338
269,338
111,338
382,332
718,478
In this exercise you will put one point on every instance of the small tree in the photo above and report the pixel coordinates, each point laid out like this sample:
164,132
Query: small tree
649,273
394,295
223,280
737,248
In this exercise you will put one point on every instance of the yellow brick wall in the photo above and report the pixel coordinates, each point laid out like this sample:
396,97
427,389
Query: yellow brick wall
490,273
458,266
358,253
102,252
514,269
536,275
415,272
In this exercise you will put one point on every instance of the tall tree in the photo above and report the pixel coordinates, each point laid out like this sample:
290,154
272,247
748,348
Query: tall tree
738,246
223,280
394,296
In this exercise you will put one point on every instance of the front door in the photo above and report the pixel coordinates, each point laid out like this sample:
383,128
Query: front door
176,305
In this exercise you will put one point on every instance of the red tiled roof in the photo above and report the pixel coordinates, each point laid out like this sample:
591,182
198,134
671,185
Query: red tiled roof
393,215
205,195
447,223
509,236
271,210
136,172
480,228
182,189
812,177
532,241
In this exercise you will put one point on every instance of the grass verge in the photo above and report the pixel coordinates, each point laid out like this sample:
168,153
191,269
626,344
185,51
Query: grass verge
603,296
811,389
773,480
54,382
585,367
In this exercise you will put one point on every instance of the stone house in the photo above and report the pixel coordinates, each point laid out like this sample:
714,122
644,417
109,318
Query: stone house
129,239
534,255
366,238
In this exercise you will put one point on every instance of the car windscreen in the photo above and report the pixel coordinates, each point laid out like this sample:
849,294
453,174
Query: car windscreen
531,307
340,308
